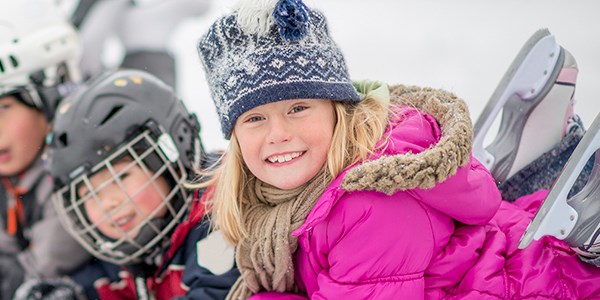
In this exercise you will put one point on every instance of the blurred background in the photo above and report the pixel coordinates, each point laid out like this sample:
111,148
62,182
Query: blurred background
459,45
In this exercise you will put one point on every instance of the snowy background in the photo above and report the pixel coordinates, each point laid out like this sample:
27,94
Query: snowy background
459,45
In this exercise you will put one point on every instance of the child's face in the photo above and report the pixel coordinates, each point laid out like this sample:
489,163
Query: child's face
118,210
22,133
285,143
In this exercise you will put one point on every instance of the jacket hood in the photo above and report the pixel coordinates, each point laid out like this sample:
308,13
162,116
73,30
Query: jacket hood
392,173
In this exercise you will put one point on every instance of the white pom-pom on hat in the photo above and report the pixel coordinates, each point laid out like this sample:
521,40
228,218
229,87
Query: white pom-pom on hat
255,16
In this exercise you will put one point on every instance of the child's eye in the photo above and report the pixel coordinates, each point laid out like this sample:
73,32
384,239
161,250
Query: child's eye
82,191
4,106
124,175
254,119
298,108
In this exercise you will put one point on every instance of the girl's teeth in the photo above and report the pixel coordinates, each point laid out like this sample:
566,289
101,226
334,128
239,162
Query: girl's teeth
284,158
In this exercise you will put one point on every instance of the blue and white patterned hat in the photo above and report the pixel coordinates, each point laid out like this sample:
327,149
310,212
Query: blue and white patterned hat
254,57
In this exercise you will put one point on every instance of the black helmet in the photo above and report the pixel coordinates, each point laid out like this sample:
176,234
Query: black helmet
121,114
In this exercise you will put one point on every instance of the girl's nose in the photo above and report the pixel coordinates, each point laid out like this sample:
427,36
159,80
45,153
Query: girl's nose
279,130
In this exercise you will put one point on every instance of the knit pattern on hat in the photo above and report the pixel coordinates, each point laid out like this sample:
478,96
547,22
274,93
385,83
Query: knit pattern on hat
424,170
248,70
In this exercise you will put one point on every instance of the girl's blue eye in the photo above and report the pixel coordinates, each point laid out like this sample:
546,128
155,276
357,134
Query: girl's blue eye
298,108
254,119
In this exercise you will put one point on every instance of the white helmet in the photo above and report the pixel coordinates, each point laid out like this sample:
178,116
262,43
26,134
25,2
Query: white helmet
39,52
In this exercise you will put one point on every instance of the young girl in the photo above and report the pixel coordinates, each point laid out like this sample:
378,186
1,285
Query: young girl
332,194
120,151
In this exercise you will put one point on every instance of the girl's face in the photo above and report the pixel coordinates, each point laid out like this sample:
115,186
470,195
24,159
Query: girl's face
117,210
285,143
22,132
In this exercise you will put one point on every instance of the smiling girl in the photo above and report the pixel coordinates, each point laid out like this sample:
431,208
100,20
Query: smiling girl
335,191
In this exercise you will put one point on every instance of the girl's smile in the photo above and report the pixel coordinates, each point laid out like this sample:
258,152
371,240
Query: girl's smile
285,143
279,159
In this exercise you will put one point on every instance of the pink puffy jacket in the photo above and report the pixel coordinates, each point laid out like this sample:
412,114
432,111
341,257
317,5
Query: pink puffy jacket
457,240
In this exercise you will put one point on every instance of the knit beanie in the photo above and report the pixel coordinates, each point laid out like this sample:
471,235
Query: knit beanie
268,51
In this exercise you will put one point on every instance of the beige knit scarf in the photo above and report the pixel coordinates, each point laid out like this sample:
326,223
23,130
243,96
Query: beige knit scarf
270,215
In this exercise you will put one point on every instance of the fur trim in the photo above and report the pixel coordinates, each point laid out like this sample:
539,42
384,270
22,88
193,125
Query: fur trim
424,170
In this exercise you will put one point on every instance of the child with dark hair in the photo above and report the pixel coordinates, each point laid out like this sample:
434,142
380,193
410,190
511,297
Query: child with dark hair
38,67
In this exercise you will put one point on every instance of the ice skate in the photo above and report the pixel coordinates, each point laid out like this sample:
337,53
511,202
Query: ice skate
535,97
575,220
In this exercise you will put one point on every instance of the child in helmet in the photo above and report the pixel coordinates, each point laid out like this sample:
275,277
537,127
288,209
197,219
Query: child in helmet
38,51
121,149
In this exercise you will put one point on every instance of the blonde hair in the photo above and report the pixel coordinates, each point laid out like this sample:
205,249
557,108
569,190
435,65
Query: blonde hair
358,128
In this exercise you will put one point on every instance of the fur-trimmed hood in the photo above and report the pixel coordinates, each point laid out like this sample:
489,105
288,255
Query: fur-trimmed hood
389,174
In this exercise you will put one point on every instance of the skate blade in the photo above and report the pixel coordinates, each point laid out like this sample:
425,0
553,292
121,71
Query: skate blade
512,146
556,217
526,77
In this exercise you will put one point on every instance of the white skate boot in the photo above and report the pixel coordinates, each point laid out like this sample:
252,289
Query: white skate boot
575,220
535,97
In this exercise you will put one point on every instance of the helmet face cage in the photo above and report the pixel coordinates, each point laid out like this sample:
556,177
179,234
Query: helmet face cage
156,159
